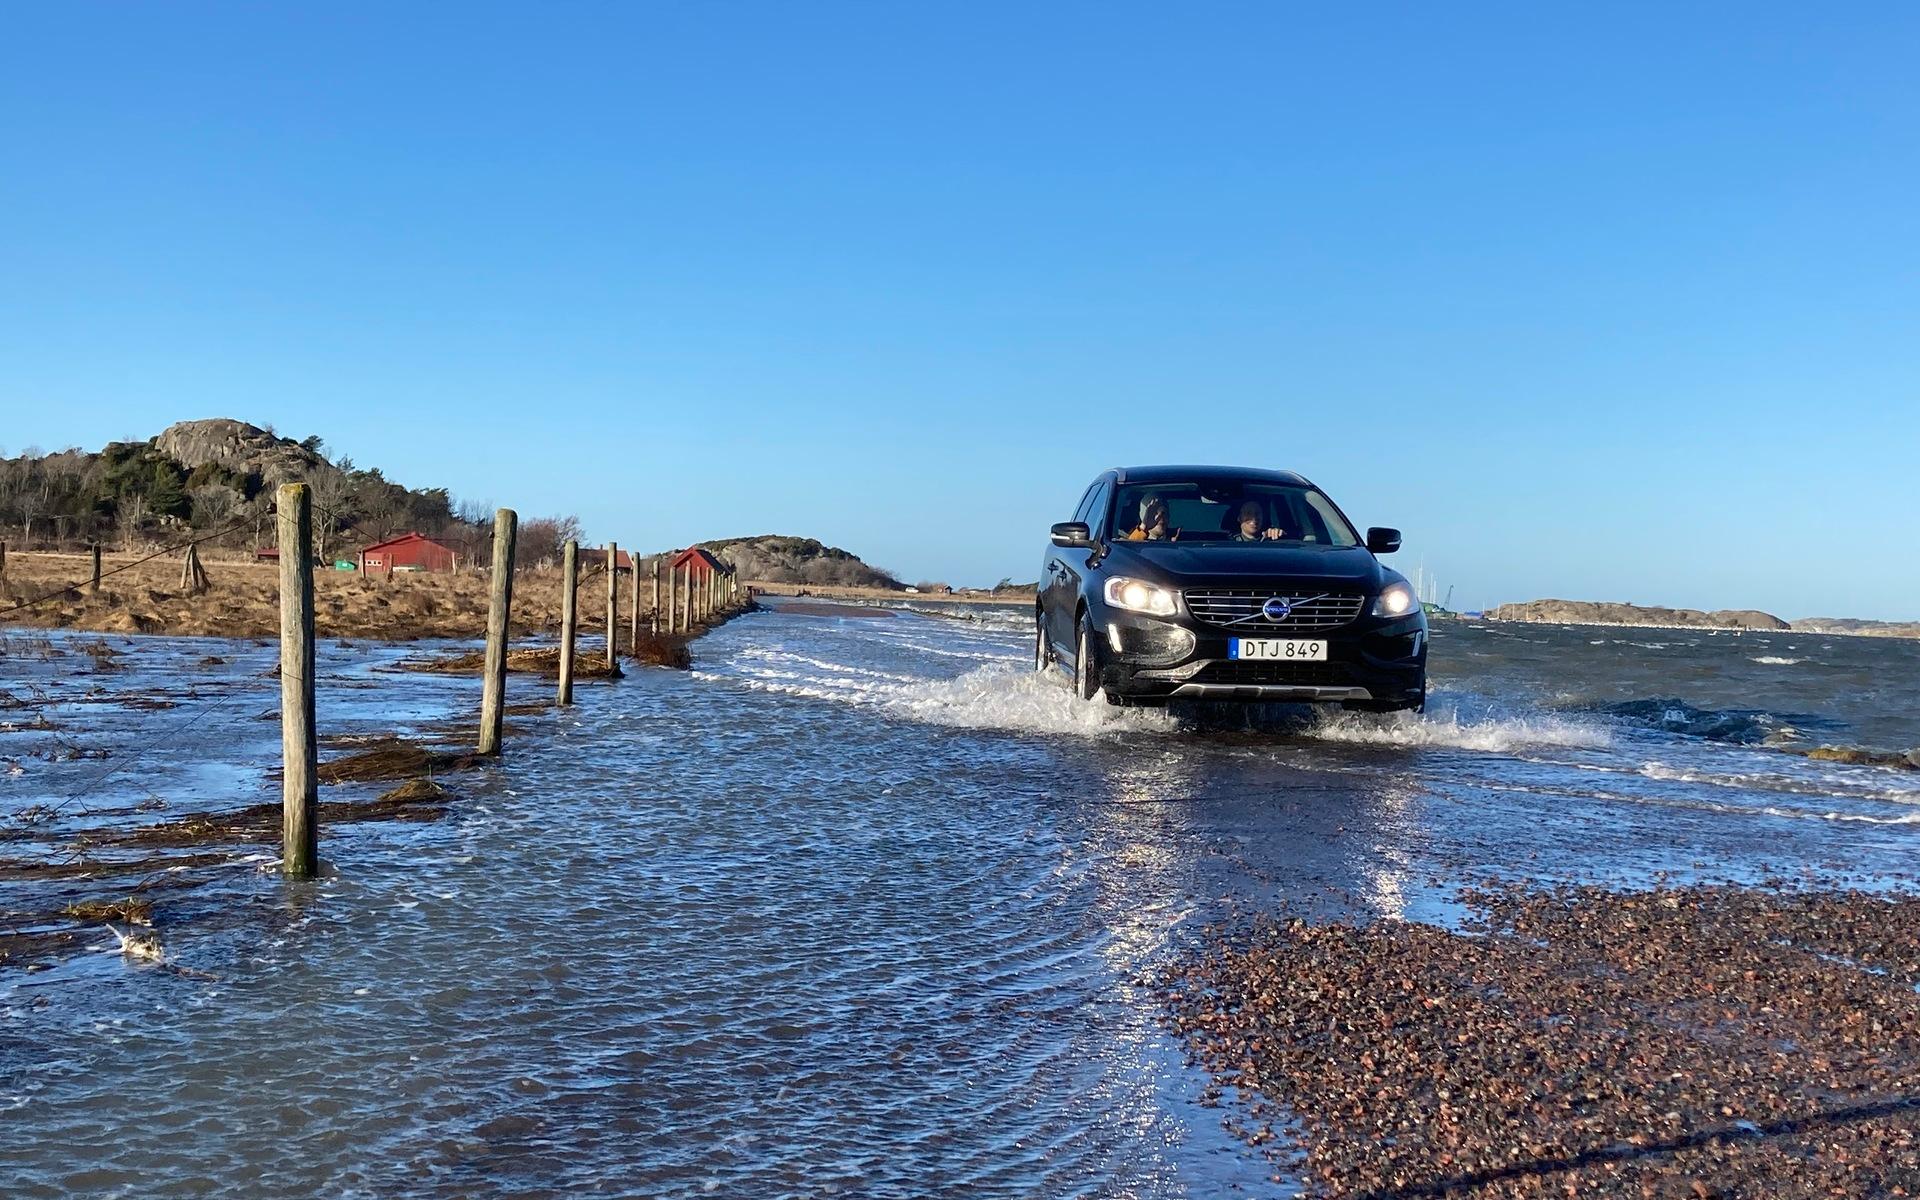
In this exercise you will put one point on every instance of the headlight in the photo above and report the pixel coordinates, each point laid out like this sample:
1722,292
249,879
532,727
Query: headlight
1396,601
1137,596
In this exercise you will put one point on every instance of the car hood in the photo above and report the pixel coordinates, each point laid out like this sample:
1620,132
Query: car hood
1352,565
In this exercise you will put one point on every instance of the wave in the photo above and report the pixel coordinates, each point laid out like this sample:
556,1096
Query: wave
1774,660
1820,784
1740,726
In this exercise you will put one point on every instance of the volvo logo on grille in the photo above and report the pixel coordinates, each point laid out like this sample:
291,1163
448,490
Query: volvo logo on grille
1277,609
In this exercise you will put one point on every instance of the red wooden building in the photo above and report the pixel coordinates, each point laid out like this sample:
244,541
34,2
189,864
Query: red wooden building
408,552
699,563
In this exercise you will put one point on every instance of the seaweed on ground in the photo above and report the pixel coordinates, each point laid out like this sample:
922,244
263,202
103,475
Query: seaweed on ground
394,759
132,910
540,660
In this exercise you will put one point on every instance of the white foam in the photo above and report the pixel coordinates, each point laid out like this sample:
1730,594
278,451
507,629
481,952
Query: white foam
1497,735
1774,660
1005,696
1821,783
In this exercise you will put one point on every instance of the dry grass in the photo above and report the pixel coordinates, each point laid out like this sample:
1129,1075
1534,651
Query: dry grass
244,600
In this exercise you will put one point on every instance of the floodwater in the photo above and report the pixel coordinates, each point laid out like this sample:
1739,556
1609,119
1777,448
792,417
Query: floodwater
858,907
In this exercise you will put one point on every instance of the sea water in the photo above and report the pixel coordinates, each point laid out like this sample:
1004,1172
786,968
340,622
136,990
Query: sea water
862,905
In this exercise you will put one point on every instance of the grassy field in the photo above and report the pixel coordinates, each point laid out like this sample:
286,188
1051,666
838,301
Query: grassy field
244,599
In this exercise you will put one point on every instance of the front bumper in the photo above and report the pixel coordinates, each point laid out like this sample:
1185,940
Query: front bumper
1370,661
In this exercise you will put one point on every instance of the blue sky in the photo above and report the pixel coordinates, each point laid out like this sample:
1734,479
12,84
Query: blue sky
1616,303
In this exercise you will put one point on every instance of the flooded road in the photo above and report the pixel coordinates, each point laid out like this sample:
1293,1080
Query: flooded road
859,907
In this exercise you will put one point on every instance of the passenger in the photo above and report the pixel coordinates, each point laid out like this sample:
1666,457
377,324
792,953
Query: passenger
1249,530
1153,523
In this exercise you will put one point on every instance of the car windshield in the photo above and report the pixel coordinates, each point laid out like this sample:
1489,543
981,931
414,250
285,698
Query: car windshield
1229,511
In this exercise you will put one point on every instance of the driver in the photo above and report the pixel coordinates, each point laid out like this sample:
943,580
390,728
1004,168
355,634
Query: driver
1249,525
1153,523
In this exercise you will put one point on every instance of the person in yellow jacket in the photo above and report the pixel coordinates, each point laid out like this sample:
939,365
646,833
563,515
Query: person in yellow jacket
1153,523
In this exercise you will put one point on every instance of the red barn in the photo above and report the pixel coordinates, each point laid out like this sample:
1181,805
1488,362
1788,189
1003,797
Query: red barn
408,552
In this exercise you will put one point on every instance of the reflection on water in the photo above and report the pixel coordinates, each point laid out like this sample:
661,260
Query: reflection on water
860,906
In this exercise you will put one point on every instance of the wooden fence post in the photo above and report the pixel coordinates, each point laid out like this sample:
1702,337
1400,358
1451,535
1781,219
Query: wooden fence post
93,588
686,599
633,600
655,610
493,687
3,558
569,616
613,607
193,576
299,781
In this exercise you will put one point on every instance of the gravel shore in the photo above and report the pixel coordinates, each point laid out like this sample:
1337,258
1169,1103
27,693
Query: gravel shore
1689,1042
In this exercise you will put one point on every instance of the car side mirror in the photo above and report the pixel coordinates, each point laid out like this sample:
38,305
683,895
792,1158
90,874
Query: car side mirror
1073,534
1381,540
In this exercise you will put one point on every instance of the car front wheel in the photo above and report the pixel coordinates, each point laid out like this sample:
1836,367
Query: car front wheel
1086,664
1042,653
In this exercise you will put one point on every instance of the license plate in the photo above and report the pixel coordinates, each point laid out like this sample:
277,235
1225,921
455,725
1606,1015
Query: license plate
1283,649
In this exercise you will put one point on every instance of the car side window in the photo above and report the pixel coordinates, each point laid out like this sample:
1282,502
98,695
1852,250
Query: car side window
1086,502
1097,507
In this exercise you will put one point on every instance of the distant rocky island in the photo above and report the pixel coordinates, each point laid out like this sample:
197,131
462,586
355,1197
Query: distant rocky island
1597,612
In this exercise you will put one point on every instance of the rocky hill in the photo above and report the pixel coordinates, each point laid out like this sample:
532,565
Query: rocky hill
1591,612
242,449
774,558
201,476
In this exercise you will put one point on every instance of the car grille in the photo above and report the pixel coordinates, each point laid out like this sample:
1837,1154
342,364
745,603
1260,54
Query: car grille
1241,608
1275,674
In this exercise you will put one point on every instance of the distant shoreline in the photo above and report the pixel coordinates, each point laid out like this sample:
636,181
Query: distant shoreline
830,592
1601,614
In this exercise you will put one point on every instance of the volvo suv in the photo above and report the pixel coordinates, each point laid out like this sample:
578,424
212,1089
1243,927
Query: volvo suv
1220,583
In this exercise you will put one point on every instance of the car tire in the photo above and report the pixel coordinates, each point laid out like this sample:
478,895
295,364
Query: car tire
1042,652
1086,663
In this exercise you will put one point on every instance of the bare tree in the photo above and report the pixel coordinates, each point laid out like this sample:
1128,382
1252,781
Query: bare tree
31,504
130,513
383,511
332,494
213,505
539,540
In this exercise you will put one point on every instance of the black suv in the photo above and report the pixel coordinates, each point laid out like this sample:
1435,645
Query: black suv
1219,583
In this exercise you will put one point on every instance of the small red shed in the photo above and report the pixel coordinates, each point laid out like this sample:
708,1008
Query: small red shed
408,552
698,563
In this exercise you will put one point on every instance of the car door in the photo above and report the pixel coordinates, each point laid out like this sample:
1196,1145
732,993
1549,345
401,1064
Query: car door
1056,594
1073,563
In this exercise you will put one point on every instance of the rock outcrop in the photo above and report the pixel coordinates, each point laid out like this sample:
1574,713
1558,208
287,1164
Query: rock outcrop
773,558
1591,612
241,448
